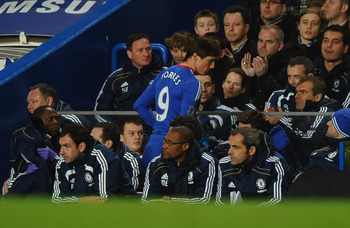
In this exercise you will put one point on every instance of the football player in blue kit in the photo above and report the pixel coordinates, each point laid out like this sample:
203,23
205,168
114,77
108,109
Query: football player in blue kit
175,91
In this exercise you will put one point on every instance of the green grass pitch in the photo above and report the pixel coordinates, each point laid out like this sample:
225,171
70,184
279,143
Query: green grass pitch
296,213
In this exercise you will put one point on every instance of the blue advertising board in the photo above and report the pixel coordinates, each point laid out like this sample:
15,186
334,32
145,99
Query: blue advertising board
44,17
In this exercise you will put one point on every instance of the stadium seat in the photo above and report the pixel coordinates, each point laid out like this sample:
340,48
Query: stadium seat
158,48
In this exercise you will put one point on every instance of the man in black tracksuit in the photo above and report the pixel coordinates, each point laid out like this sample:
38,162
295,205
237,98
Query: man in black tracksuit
86,169
307,133
183,172
30,173
122,88
252,169
108,134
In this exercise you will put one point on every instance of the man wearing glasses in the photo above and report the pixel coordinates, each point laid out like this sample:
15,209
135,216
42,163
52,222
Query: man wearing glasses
182,173
273,12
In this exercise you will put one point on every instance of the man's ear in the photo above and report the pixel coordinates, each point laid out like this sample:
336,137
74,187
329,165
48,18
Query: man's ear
122,138
195,56
346,47
109,143
284,7
49,101
345,8
281,46
318,97
246,28
185,146
129,54
213,88
82,147
252,150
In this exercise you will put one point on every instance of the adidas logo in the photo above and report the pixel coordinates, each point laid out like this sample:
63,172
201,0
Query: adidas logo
232,185
164,180
124,84
164,177
125,87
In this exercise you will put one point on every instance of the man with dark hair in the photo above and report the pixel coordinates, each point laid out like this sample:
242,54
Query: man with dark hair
254,119
337,12
108,135
30,173
183,172
273,12
132,134
86,169
298,67
333,66
307,133
236,26
191,122
251,169
122,88
216,127
175,91
44,94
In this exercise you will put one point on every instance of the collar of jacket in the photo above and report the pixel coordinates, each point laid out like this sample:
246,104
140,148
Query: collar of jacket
193,157
276,20
156,64
211,104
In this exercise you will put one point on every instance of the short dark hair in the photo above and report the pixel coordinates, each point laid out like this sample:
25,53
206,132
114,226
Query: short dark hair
205,13
238,9
204,46
306,62
218,37
78,134
39,112
255,118
342,30
109,132
191,122
185,132
319,86
46,90
129,119
251,136
133,37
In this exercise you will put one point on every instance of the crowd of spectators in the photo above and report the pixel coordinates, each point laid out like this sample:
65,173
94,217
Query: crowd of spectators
276,56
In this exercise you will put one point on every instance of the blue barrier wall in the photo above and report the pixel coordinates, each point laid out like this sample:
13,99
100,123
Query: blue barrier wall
77,60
